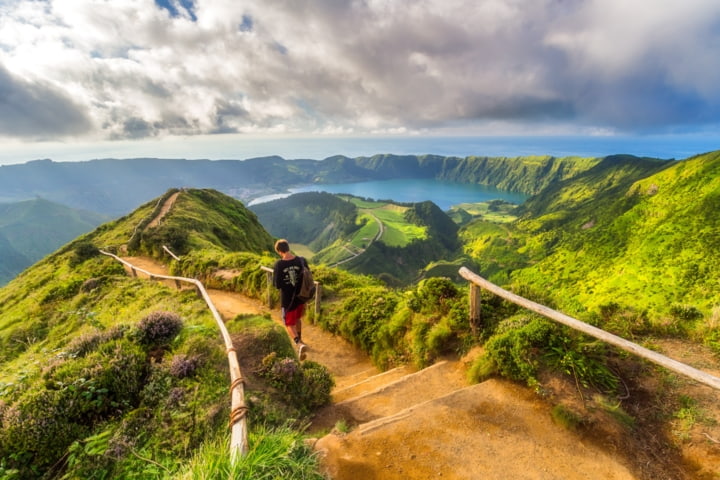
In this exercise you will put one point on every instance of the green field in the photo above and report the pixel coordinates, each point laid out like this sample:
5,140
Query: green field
365,235
397,231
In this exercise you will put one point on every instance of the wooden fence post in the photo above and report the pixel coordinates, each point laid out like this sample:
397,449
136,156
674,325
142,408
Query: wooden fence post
268,276
475,308
318,291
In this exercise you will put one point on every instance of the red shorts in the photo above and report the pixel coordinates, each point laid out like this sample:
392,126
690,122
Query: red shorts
291,318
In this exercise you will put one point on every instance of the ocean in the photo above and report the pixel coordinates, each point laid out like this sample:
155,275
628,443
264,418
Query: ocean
664,147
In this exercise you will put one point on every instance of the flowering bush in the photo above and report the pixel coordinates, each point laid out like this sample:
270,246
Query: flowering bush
159,328
182,366
306,385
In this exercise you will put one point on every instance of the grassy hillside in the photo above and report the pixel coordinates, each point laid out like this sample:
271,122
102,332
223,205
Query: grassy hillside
628,235
107,376
315,219
31,229
200,219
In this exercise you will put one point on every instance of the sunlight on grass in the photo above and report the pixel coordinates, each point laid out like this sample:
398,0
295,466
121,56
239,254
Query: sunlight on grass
273,454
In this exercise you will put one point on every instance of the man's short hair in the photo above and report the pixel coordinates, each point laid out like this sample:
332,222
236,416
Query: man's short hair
282,246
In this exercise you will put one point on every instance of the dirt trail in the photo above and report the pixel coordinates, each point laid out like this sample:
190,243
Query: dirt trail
418,425
165,209
337,354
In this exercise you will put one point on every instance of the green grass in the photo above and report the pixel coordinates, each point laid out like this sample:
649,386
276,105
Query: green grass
397,231
365,235
360,203
273,454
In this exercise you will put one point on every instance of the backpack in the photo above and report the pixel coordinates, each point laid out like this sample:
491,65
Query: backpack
307,285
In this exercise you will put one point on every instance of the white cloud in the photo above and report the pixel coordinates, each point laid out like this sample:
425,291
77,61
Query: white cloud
130,69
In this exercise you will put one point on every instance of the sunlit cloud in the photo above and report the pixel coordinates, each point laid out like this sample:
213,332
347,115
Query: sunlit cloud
132,69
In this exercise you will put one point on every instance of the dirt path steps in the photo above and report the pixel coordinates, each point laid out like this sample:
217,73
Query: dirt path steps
418,425
493,430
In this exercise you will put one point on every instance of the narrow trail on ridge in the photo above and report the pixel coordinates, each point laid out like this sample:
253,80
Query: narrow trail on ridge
337,354
416,425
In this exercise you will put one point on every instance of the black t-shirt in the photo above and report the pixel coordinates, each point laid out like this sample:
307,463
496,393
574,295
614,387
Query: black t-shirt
287,276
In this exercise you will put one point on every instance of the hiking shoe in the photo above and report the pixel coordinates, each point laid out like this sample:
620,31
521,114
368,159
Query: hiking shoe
302,351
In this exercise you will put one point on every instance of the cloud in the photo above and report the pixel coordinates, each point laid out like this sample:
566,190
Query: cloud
133,69
36,110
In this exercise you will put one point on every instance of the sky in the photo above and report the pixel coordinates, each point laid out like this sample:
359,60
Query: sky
119,78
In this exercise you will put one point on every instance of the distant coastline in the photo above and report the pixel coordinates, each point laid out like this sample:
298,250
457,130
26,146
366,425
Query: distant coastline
238,147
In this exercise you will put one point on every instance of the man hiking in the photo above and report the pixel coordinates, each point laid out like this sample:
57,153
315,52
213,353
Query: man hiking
287,277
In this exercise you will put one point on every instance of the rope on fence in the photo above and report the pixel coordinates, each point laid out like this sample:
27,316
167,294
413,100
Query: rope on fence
238,409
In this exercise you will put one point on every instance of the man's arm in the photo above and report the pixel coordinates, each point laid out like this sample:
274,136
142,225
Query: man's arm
276,275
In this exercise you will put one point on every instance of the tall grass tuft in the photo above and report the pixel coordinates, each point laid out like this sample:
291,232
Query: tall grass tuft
274,454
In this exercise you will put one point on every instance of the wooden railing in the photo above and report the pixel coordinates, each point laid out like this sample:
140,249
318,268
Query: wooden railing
269,277
169,252
478,282
238,409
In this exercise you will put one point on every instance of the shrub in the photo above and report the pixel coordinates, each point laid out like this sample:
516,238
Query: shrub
306,386
390,345
434,295
523,345
182,365
584,361
418,346
92,283
317,385
62,291
687,313
363,313
36,432
515,350
82,252
175,238
439,338
159,328
624,321
86,343
75,397
157,387
103,382
22,337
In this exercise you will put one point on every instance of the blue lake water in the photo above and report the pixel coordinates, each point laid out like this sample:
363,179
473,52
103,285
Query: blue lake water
443,194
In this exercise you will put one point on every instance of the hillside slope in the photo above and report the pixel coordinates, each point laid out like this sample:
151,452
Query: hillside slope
31,229
92,356
651,243
598,232
316,219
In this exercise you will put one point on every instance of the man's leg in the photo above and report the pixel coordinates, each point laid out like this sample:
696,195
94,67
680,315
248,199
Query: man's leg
292,324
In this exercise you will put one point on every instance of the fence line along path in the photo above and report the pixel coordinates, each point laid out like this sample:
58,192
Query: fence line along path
479,282
238,409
